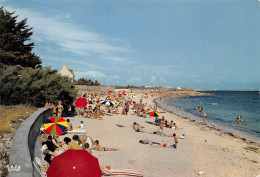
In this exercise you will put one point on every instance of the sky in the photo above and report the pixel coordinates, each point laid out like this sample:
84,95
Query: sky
198,44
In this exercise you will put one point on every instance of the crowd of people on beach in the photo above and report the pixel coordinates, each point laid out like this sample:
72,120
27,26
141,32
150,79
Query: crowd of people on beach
53,146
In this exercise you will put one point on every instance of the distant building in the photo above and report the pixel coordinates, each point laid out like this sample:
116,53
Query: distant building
167,87
65,71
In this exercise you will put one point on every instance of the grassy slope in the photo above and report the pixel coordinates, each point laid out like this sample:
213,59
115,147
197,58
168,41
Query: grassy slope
10,117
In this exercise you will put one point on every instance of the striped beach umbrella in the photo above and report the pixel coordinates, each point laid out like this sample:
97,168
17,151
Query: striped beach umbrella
107,102
153,114
55,125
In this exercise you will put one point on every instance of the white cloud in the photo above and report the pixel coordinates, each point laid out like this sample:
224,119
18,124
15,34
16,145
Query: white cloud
69,36
91,74
135,79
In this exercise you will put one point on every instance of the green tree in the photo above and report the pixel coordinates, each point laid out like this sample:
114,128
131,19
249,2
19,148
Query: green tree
83,81
34,86
15,45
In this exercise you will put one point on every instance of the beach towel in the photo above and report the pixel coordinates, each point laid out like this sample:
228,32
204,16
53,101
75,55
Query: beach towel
121,171
77,131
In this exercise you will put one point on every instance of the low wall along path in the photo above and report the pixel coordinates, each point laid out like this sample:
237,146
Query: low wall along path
23,149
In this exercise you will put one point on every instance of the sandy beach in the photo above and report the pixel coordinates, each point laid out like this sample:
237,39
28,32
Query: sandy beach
214,152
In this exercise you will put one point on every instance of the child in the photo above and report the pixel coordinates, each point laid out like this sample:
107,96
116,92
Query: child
81,125
86,147
175,140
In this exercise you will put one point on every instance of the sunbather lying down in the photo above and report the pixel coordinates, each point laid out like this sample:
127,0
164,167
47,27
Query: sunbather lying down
147,141
161,134
97,147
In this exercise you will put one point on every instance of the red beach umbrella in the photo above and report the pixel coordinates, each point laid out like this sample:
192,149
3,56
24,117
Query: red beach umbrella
73,163
146,93
120,95
81,102
123,93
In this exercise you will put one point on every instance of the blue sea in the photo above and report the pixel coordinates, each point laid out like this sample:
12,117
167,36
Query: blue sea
223,108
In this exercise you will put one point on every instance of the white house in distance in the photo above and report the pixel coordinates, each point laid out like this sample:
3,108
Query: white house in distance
65,71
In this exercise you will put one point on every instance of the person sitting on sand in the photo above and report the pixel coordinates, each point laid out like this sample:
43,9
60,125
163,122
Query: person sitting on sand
143,113
87,148
97,147
81,126
80,140
48,155
166,123
51,146
71,144
43,137
171,125
175,126
69,125
137,128
56,141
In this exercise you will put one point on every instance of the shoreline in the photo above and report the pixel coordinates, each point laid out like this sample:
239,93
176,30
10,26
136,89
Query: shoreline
244,136
224,128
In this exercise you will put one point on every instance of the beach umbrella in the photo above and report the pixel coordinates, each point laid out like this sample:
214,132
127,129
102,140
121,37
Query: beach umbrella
146,93
153,114
81,102
124,94
120,95
74,163
107,102
55,125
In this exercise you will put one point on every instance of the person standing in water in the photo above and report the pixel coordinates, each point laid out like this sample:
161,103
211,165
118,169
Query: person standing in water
204,117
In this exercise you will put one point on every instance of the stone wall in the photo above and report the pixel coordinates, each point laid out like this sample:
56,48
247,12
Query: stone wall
24,143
